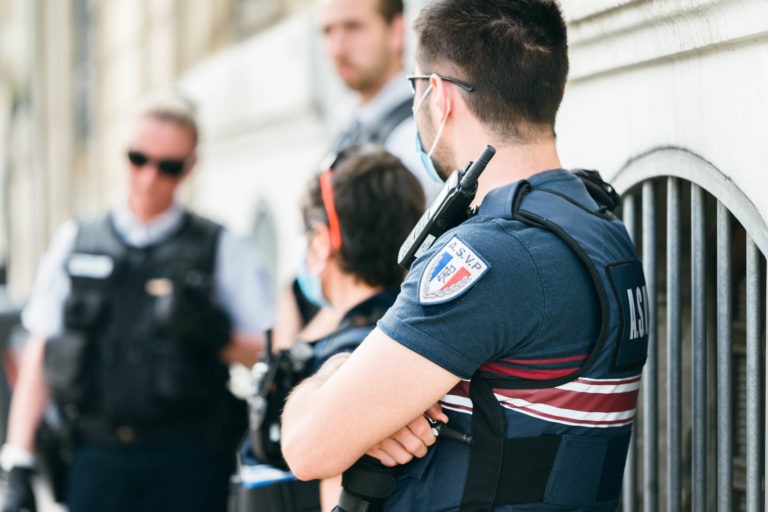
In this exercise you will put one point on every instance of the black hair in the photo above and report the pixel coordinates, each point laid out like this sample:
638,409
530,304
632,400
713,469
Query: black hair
377,201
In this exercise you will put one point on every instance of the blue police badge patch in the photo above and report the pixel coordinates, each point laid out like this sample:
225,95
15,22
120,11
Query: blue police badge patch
450,273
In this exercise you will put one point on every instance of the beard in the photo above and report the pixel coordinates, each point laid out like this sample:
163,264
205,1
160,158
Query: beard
364,78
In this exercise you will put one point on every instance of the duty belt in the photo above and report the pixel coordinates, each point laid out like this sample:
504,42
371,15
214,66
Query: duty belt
102,432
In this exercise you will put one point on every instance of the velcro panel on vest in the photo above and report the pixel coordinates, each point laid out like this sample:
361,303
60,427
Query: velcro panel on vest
528,462
562,470
587,470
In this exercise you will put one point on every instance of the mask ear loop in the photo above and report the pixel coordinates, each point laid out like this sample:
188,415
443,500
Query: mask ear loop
326,192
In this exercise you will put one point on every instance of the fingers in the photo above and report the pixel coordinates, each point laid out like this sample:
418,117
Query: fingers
402,446
436,413
391,452
382,456
411,441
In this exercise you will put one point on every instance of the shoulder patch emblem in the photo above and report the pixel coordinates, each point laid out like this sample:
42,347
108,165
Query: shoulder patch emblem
450,273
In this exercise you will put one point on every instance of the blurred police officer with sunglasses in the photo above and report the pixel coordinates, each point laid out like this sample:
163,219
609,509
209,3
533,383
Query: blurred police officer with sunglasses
134,319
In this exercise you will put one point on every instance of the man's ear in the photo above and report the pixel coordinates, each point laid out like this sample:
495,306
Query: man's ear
320,243
442,97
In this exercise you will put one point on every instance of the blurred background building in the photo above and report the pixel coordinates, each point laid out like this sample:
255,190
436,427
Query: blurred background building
667,98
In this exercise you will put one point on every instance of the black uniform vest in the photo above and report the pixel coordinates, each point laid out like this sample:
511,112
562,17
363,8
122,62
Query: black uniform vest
132,372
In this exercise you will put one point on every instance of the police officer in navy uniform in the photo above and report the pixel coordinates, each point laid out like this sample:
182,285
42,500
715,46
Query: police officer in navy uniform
134,318
356,215
527,322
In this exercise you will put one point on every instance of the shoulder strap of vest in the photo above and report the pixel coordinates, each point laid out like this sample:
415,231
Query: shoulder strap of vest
98,236
382,129
534,207
97,253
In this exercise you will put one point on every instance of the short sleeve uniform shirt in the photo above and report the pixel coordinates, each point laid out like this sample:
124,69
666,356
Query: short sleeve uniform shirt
525,294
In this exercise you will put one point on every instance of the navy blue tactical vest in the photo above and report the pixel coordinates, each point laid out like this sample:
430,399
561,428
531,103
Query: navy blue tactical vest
559,442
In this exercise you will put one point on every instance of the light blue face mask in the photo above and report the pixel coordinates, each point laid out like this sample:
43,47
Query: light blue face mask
426,157
310,284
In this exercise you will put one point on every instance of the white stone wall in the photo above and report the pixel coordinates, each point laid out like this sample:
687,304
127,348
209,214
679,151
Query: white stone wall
690,74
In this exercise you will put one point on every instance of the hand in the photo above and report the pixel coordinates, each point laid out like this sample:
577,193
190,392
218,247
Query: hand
410,441
19,496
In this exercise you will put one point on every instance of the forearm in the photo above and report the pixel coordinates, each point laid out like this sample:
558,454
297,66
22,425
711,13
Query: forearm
297,445
382,387
30,397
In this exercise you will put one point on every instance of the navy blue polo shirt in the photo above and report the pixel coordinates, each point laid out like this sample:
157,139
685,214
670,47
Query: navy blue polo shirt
495,288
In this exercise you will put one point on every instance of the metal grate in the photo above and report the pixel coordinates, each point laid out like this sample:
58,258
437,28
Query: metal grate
700,434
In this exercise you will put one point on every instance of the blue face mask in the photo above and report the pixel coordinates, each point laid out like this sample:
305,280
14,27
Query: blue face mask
310,284
426,158
426,161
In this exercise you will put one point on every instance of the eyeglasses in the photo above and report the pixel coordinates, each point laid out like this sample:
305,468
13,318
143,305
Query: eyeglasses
166,166
461,83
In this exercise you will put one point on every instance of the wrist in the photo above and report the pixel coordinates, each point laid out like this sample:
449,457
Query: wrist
14,457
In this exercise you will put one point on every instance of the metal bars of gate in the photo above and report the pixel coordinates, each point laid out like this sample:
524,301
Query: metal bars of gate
674,349
650,398
756,450
725,408
698,350
754,364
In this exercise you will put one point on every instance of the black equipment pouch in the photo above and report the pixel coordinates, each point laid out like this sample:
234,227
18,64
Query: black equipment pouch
449,209
67,356
65,365
365,486
274,377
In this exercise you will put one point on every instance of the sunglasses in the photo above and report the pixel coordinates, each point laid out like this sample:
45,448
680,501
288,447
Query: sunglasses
166,166
461,83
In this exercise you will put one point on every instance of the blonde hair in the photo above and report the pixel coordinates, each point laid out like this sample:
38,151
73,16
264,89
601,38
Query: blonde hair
172,107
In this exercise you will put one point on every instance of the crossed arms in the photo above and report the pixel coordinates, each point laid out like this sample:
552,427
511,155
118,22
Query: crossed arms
374,402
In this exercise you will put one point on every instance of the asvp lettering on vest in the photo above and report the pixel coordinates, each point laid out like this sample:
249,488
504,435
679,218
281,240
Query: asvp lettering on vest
637,299
628,282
